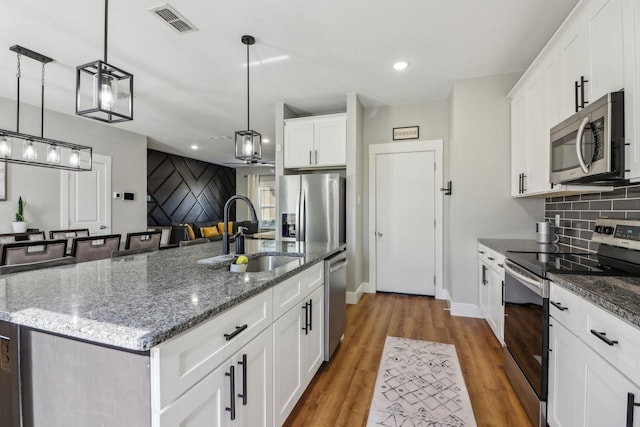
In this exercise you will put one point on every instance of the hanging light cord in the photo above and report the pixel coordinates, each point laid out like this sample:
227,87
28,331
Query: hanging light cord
18,97
42,104
106,25
248,122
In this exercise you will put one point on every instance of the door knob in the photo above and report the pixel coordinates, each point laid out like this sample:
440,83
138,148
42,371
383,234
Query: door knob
102,227
379,234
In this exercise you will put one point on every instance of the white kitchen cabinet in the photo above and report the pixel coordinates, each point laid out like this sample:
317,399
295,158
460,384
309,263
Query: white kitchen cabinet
213,401
298,338
491,269
589,379
315,142
596,43
566,379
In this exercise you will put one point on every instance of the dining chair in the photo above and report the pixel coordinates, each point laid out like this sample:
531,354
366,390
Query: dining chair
68,234
32,251
21,237
165,238
194,242
144,240
91,248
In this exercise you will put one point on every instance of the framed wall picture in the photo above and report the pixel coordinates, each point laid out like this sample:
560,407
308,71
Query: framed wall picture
411,132
3,180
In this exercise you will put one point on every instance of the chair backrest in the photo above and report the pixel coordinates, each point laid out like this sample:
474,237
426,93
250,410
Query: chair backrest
143,239
91,248
66,234
7,269
165,238
21,237
32,251
194,242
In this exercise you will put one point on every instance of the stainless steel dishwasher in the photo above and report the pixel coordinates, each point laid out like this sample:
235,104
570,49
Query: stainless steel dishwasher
335,301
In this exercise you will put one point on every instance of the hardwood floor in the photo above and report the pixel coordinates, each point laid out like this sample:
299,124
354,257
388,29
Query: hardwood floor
341,391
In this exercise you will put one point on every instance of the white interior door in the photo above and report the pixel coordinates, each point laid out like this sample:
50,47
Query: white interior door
86,197
406,224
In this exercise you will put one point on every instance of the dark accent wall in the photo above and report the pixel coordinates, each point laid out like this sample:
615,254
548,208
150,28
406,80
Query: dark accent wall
579,212
187,190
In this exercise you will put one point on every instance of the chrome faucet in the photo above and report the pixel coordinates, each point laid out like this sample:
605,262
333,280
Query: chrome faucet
225,232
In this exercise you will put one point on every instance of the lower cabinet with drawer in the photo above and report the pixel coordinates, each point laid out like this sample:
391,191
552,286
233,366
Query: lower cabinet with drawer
491,275
592,373
298,337
247,366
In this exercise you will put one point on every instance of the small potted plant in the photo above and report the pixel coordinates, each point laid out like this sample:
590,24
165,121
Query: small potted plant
20,225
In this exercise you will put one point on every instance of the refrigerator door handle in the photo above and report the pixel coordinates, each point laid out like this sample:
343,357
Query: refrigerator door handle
302,218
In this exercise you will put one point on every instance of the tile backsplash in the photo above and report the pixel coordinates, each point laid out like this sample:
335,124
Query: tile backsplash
579,212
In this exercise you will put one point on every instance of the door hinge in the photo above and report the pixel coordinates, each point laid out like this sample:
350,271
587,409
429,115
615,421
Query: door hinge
434,223
434,280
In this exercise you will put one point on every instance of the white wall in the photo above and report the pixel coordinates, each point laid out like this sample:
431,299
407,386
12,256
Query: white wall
355,210
41,186
433,119
479,166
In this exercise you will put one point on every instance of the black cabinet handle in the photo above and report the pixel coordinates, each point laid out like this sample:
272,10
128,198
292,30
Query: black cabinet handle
311,315
481,252
491,258
575,87
524,187
501,265
305,328
232,387
631,404
603,337
232,335
503,292
243,363
558,306
582,82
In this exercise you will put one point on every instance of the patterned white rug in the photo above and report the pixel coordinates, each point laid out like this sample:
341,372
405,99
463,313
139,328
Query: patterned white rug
420,384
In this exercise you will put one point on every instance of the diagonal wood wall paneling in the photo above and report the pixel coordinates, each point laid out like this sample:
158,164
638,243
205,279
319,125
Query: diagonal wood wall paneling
187,190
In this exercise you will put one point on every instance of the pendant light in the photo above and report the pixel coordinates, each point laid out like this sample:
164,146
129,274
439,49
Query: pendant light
104,92
16,147
248,142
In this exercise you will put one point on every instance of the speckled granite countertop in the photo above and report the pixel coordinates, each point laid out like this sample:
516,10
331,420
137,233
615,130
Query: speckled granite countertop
136,302
618,295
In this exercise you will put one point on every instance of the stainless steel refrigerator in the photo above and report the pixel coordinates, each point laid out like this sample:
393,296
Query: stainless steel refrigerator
311,207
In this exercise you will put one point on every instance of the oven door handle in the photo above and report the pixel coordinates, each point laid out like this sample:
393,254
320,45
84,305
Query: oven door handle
579,139
533,284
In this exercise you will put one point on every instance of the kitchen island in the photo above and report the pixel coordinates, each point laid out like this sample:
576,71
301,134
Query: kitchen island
107,320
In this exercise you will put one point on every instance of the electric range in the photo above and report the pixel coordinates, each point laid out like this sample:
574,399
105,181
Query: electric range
526,302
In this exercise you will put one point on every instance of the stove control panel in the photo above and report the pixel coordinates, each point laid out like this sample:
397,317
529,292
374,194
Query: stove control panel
617,232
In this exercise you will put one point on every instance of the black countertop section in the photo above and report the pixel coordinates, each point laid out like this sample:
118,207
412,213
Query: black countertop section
519,245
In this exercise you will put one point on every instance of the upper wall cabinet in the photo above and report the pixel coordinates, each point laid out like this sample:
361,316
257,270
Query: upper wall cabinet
315,142
593,53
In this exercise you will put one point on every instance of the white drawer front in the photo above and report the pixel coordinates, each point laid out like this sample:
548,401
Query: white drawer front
563,306
293,290
182,361
491,258
623,354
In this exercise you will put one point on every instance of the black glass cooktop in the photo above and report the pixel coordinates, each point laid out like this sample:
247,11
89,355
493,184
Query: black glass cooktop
571,263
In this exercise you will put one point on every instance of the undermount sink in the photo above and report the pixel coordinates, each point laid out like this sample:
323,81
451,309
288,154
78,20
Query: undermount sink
269,262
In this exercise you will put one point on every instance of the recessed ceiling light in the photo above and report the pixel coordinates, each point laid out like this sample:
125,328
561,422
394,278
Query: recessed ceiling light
400,65
194,147
265,140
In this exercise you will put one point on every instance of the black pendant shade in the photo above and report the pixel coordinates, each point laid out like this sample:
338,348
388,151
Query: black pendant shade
248,142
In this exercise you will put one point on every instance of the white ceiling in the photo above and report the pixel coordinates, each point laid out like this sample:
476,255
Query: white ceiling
191,88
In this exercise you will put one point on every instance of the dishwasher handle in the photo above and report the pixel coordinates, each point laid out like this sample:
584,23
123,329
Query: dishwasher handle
335,267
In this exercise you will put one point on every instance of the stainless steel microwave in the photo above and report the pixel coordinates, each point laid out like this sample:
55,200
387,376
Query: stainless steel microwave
588,147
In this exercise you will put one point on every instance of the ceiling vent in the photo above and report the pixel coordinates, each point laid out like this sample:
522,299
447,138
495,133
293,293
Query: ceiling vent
173,18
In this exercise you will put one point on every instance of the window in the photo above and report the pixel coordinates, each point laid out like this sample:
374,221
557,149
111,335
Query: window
267,202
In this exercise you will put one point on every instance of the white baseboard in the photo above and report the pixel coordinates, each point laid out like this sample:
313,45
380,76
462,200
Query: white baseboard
465,310
354,297
368,288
